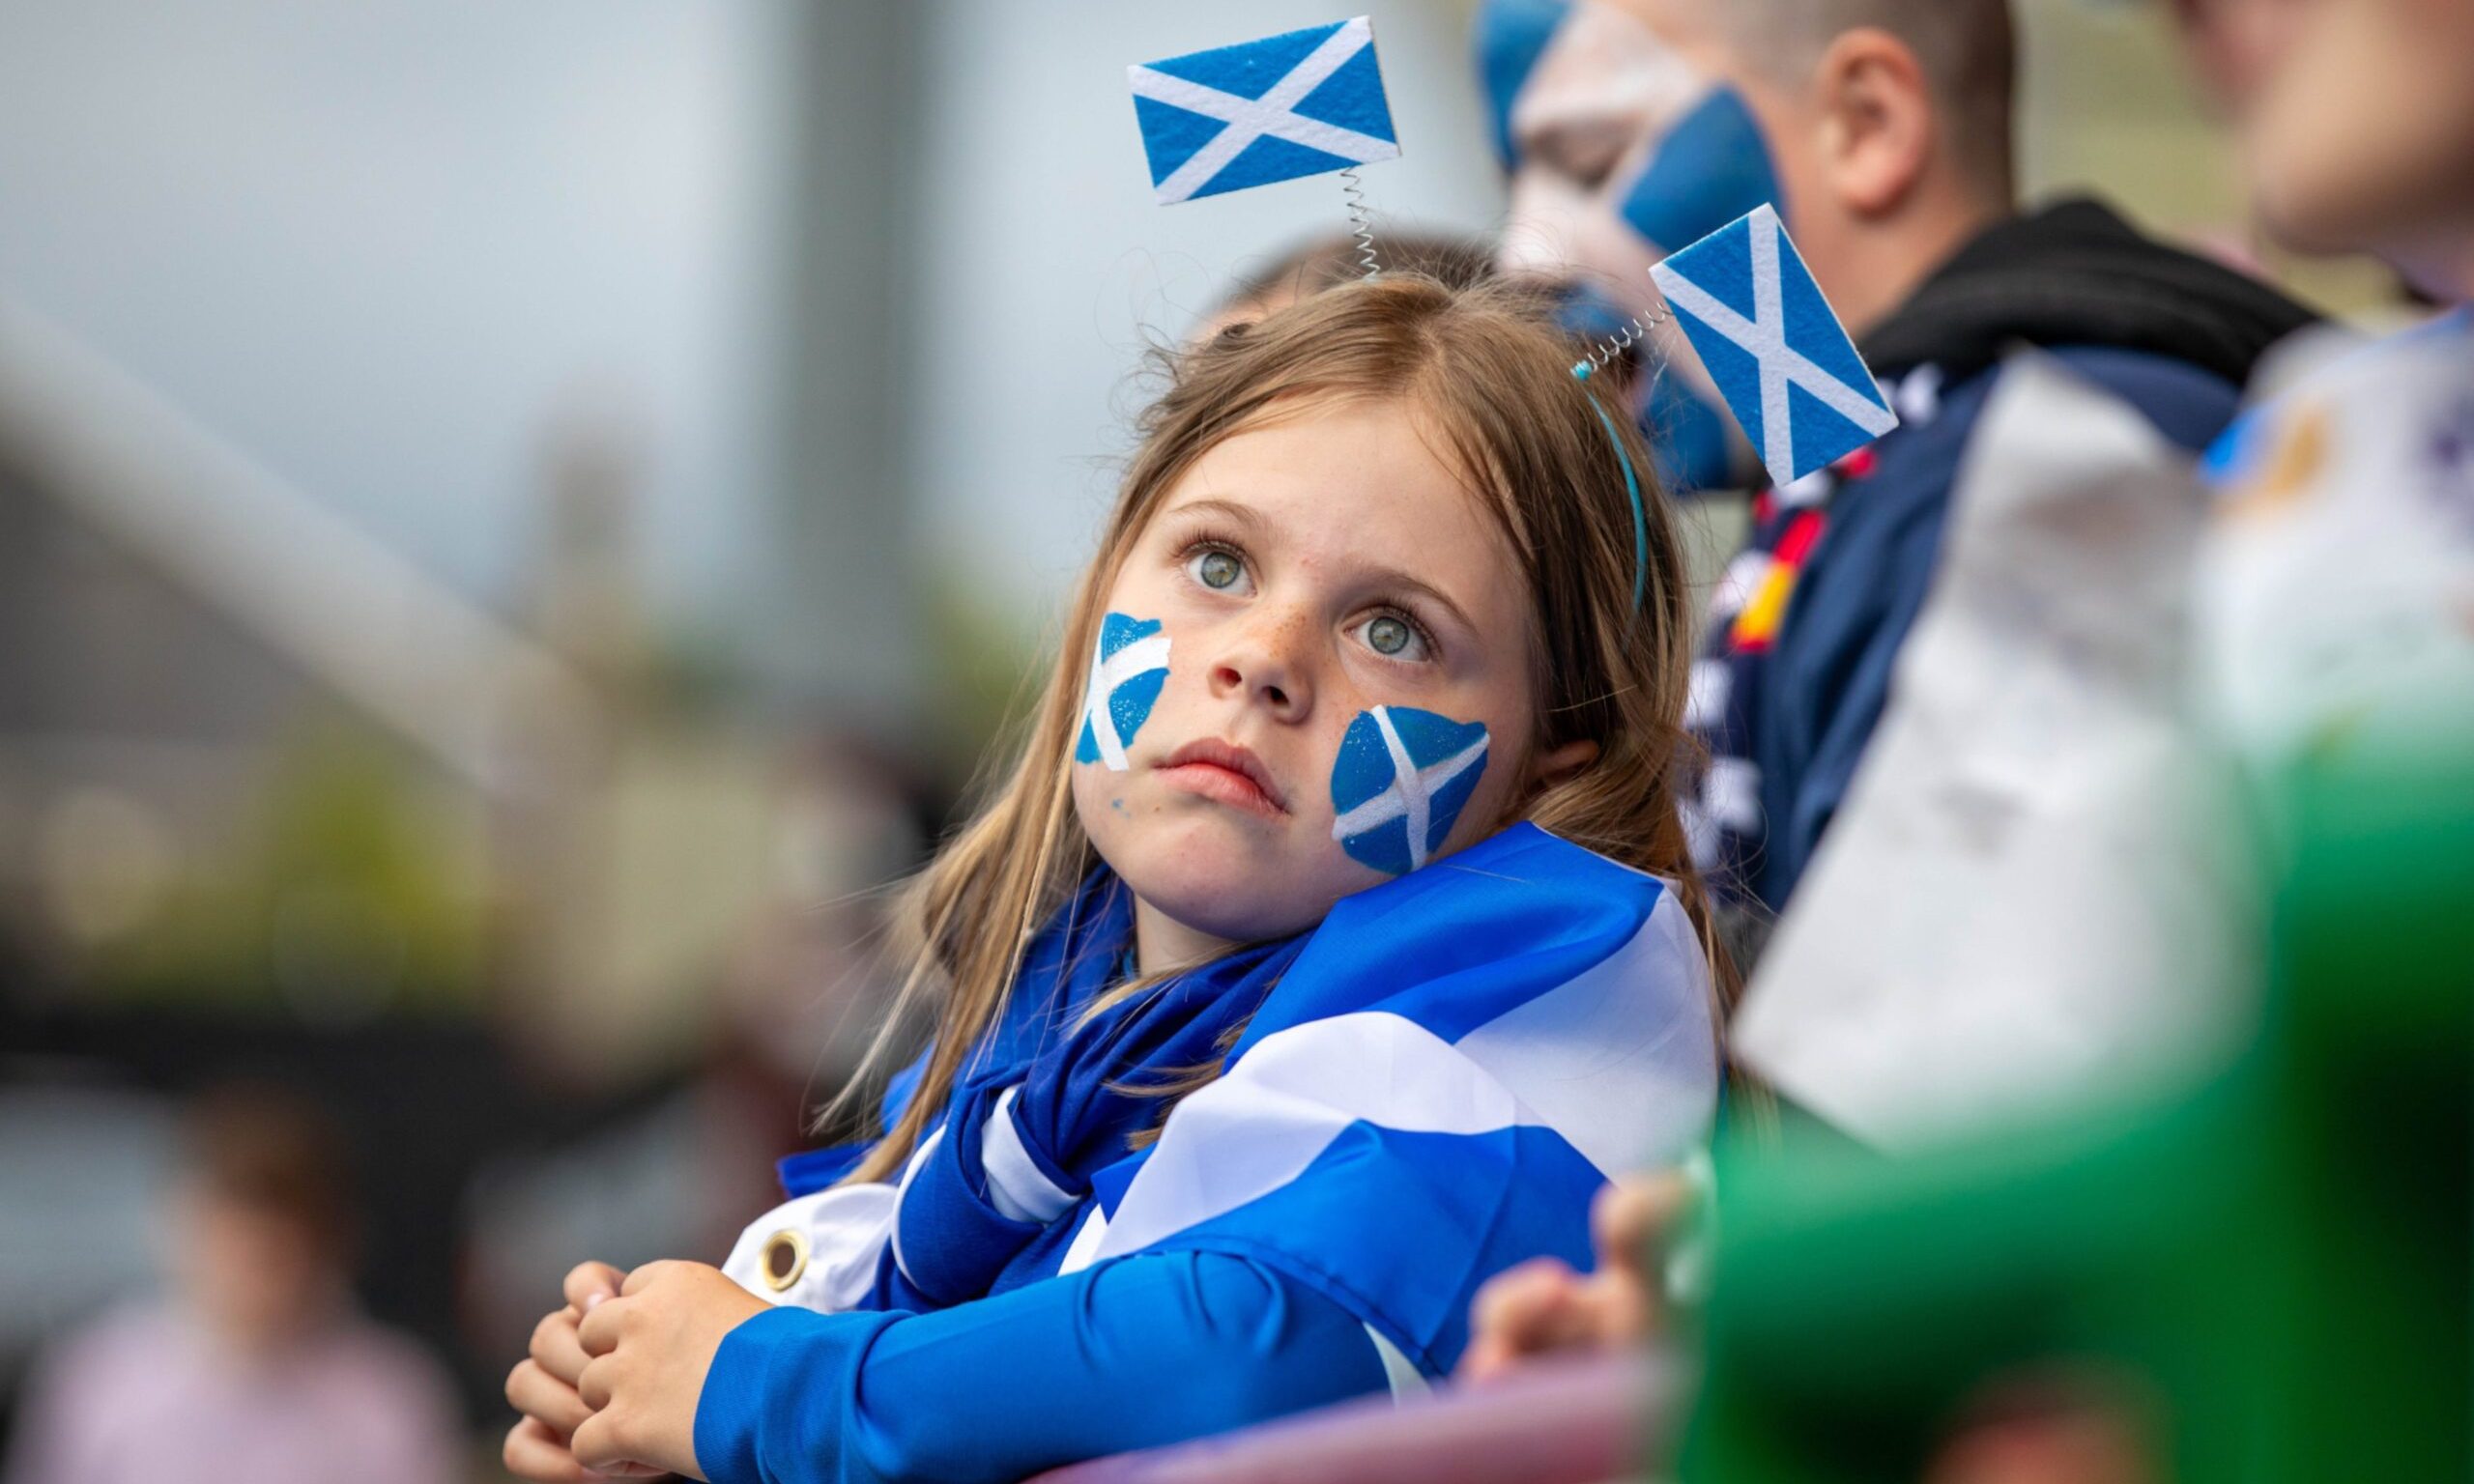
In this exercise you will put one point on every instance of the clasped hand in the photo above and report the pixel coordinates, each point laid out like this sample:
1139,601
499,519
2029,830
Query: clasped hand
609,1389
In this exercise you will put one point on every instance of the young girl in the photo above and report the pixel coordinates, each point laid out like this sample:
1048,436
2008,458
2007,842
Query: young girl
1329,945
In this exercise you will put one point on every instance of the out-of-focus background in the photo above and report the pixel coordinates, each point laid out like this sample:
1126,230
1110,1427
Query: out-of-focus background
515,521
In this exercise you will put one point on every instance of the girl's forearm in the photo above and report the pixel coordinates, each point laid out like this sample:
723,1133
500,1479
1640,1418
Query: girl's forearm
1049,1374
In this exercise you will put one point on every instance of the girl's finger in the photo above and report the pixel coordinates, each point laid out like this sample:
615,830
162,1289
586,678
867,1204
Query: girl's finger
1512,1302
636,1280
594,1387
555,1347
1631,1220
587,1284
536,1393
535,1453
597,1443
599,1334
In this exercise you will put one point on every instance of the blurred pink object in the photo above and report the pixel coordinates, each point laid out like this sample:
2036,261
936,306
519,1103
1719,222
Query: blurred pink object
1557,1422
151,1396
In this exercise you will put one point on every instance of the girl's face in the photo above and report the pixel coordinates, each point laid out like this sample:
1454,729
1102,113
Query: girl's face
1302,574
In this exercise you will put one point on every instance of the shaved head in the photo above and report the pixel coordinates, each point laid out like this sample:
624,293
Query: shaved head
1968,50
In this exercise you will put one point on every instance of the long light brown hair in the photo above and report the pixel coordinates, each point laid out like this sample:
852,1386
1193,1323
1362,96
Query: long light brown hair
1487,371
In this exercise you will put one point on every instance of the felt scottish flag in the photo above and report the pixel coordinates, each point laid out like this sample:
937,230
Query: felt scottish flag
1300,103
1774,346
1401,780
1129,665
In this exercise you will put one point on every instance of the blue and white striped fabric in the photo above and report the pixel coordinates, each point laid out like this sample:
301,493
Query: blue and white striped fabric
1774,346
1432,1086
1290,106
1437,1089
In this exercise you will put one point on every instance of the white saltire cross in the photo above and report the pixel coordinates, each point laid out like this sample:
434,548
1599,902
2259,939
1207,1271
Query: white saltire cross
1765,336
1109,671
1248,119
1411,794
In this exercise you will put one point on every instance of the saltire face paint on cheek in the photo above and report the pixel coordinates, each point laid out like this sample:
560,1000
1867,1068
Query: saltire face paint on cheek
1129,665
1700,162
1401,780
1708,164
1710,167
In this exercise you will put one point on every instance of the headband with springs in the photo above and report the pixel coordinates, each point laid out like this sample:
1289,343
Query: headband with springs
1312,101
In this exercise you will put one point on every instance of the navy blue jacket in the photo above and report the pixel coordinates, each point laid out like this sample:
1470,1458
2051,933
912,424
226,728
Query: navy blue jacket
1805,631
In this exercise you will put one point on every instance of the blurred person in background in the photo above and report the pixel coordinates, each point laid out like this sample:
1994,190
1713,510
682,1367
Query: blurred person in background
1327,262
2336,587
1881,131
257,1366
2335,591
2230,45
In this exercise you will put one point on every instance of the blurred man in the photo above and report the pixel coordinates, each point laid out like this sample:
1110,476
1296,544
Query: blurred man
2338,598
257,1370
1881,131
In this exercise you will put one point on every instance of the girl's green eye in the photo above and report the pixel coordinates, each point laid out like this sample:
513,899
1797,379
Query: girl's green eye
1219,569
1388,635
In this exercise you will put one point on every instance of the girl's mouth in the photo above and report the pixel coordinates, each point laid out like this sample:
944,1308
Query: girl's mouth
1225,772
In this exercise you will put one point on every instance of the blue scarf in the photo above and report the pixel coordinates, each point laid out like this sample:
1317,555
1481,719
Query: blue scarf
1055,1094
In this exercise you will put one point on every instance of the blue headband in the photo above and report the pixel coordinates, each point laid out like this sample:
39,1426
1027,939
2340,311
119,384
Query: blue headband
1631,487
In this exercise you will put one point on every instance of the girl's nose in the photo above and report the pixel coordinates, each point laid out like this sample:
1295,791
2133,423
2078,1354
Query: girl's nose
1266,662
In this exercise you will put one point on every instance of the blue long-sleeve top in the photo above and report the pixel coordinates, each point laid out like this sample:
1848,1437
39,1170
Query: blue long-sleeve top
1136,1353
1540,1013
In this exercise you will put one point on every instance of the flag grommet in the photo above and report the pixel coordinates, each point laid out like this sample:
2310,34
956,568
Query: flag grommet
784,1259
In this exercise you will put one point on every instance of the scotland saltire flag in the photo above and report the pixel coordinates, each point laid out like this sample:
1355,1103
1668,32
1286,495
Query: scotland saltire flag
1401,778
1432,1086
1129,665
1437,1088
1301,104
1774,346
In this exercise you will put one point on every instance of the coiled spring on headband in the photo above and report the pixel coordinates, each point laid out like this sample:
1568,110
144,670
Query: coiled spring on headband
1632,332
1361,220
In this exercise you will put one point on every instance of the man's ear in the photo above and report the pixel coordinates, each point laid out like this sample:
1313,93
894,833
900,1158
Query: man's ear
1880,125
1563,763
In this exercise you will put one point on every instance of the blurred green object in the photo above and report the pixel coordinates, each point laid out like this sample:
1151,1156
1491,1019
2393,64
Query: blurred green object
2267,1280
354,888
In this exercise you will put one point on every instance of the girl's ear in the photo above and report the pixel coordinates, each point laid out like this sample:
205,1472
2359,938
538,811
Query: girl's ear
1563,763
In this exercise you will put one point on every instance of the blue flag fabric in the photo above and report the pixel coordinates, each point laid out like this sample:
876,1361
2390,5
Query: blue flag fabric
1300,103
1436,1090
1037,1125
1774,346
1429,1087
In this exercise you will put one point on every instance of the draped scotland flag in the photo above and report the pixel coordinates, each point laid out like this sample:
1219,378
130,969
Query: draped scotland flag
1774,346
1301,104
1430,1087
1436,1090
1129,665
